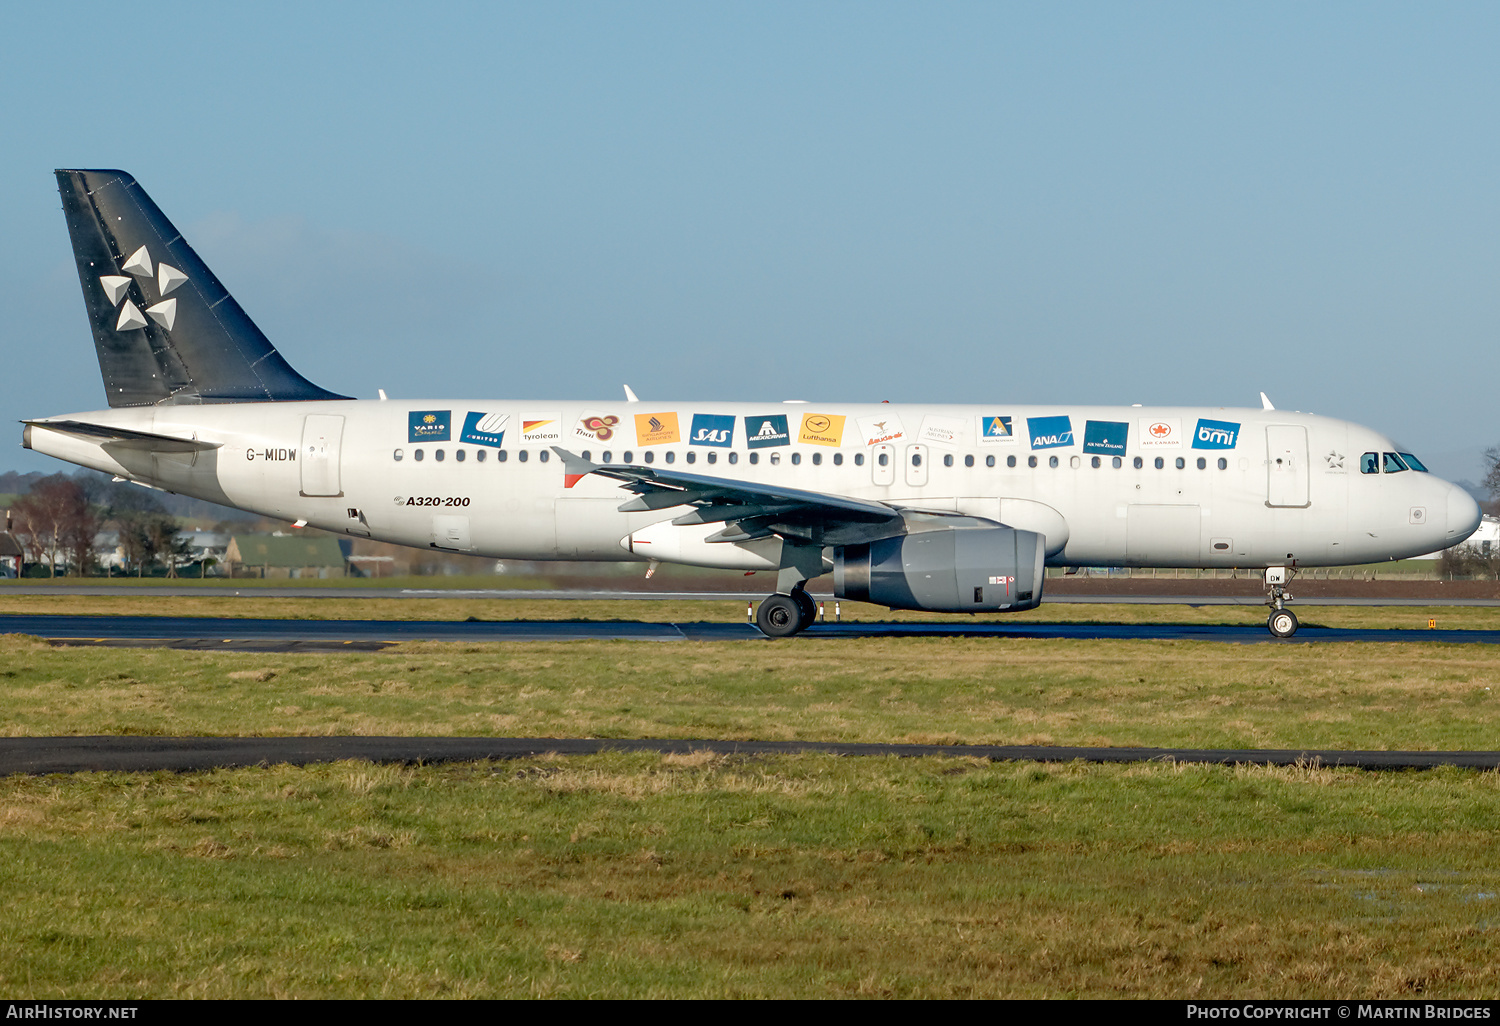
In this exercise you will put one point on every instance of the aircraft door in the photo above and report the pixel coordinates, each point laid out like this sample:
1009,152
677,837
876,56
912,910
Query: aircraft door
321,437
883,464
916,465
1286,466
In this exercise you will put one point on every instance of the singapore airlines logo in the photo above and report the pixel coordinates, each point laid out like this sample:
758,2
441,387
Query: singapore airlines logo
117,288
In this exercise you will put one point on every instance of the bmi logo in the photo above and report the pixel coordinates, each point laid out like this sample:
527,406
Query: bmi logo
117,288
1215,434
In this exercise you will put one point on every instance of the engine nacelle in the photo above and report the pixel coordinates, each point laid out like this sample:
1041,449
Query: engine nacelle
949,570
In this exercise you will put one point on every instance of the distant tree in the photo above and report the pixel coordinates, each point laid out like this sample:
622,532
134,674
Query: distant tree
1492,473
55,517
166,542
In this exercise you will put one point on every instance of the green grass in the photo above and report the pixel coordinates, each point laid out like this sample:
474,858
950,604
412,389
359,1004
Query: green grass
644,876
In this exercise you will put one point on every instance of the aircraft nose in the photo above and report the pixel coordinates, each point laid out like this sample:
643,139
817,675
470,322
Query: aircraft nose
1463,515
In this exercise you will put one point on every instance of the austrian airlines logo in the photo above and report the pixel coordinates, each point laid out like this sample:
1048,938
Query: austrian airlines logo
117,287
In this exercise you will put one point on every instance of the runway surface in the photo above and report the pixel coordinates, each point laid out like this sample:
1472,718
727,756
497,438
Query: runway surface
575,594
38,755
229,634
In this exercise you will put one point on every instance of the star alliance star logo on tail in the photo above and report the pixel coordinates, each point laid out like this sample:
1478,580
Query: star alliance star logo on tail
117,287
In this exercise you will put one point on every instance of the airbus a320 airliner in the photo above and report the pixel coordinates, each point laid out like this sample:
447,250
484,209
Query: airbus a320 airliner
952,509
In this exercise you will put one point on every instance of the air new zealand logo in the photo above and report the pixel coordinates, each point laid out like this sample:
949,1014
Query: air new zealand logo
117,288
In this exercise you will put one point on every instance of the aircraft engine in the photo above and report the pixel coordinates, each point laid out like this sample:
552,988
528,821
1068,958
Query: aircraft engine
948,570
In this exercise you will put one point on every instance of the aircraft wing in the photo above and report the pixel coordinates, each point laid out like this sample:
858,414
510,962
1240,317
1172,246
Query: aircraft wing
749,510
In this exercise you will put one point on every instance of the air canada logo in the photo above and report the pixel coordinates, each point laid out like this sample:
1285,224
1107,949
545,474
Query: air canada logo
117,289
1165,433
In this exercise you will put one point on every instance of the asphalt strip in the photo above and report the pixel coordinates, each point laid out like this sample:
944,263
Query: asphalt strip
40,755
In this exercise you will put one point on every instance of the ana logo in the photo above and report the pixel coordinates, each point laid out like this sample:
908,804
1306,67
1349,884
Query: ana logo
598,426
427,426
763,432
712,429
484,428
1215,434
1049,432
656,428
117,287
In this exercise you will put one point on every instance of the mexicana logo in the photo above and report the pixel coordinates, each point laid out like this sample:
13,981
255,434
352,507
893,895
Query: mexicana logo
762,432
1105,436
484,428
1049,432
1215,434
712,429
427,426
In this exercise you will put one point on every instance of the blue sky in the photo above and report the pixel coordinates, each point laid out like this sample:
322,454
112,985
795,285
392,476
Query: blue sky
1086,203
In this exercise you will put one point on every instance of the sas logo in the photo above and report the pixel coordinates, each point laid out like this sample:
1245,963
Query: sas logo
881,430
1049,432
117,287
427,426
822,429
1215,434
1105,436
1161,434
541,427
656,428
995,429
484,428
596,427
763,432
712,429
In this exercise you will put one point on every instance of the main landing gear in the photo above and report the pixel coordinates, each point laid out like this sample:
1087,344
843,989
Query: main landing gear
781,616
1282,622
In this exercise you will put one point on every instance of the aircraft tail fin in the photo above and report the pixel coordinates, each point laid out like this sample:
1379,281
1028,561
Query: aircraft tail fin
165,330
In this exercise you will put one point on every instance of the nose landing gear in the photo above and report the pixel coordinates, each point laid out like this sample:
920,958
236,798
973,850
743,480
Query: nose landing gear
1282,622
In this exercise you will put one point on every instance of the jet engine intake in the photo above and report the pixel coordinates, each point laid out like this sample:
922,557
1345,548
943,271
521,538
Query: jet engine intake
953,570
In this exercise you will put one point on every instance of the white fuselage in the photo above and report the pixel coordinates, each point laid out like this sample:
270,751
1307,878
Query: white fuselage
1118,486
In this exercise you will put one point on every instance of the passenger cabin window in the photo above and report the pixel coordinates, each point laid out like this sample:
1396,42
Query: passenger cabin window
1010,461
501,456
1031,461
1181,462
916,459
1393,464
397,455
754,458
1369,463
671,457
734,457
479,455
948,461
691,457
775,458
459,455
626,457
1118,462
796,459
417,454
1095,463
1160,463
817,459
1223,463
544,455
883,459
524,453
712,457
437,454
608,456
1052,462
968,461
838,459
1139,463
1202,463
859,459
989,461
650,456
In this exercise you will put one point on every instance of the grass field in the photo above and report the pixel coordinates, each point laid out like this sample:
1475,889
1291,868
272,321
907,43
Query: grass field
802,876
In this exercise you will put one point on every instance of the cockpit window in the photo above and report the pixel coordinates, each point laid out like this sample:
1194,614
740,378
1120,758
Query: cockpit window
1369,463
1393,464
1413,462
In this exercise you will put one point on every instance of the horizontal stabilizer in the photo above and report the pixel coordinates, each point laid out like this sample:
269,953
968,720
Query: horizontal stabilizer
124,437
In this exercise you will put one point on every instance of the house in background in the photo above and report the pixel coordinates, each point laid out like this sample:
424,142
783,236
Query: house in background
287,555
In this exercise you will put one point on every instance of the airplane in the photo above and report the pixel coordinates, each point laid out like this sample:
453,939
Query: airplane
941,508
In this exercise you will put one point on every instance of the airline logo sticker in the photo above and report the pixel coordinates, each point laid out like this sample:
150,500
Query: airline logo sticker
763,432
942,430
656,428
880,430
995,429
1049,432
427,426
541,427
1105,436
594,426
712,429
822,429
117,287
1215,434
484,428
1160,434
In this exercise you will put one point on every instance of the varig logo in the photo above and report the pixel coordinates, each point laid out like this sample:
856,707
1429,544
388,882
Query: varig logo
712,429
1215,434
427,426
117,287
